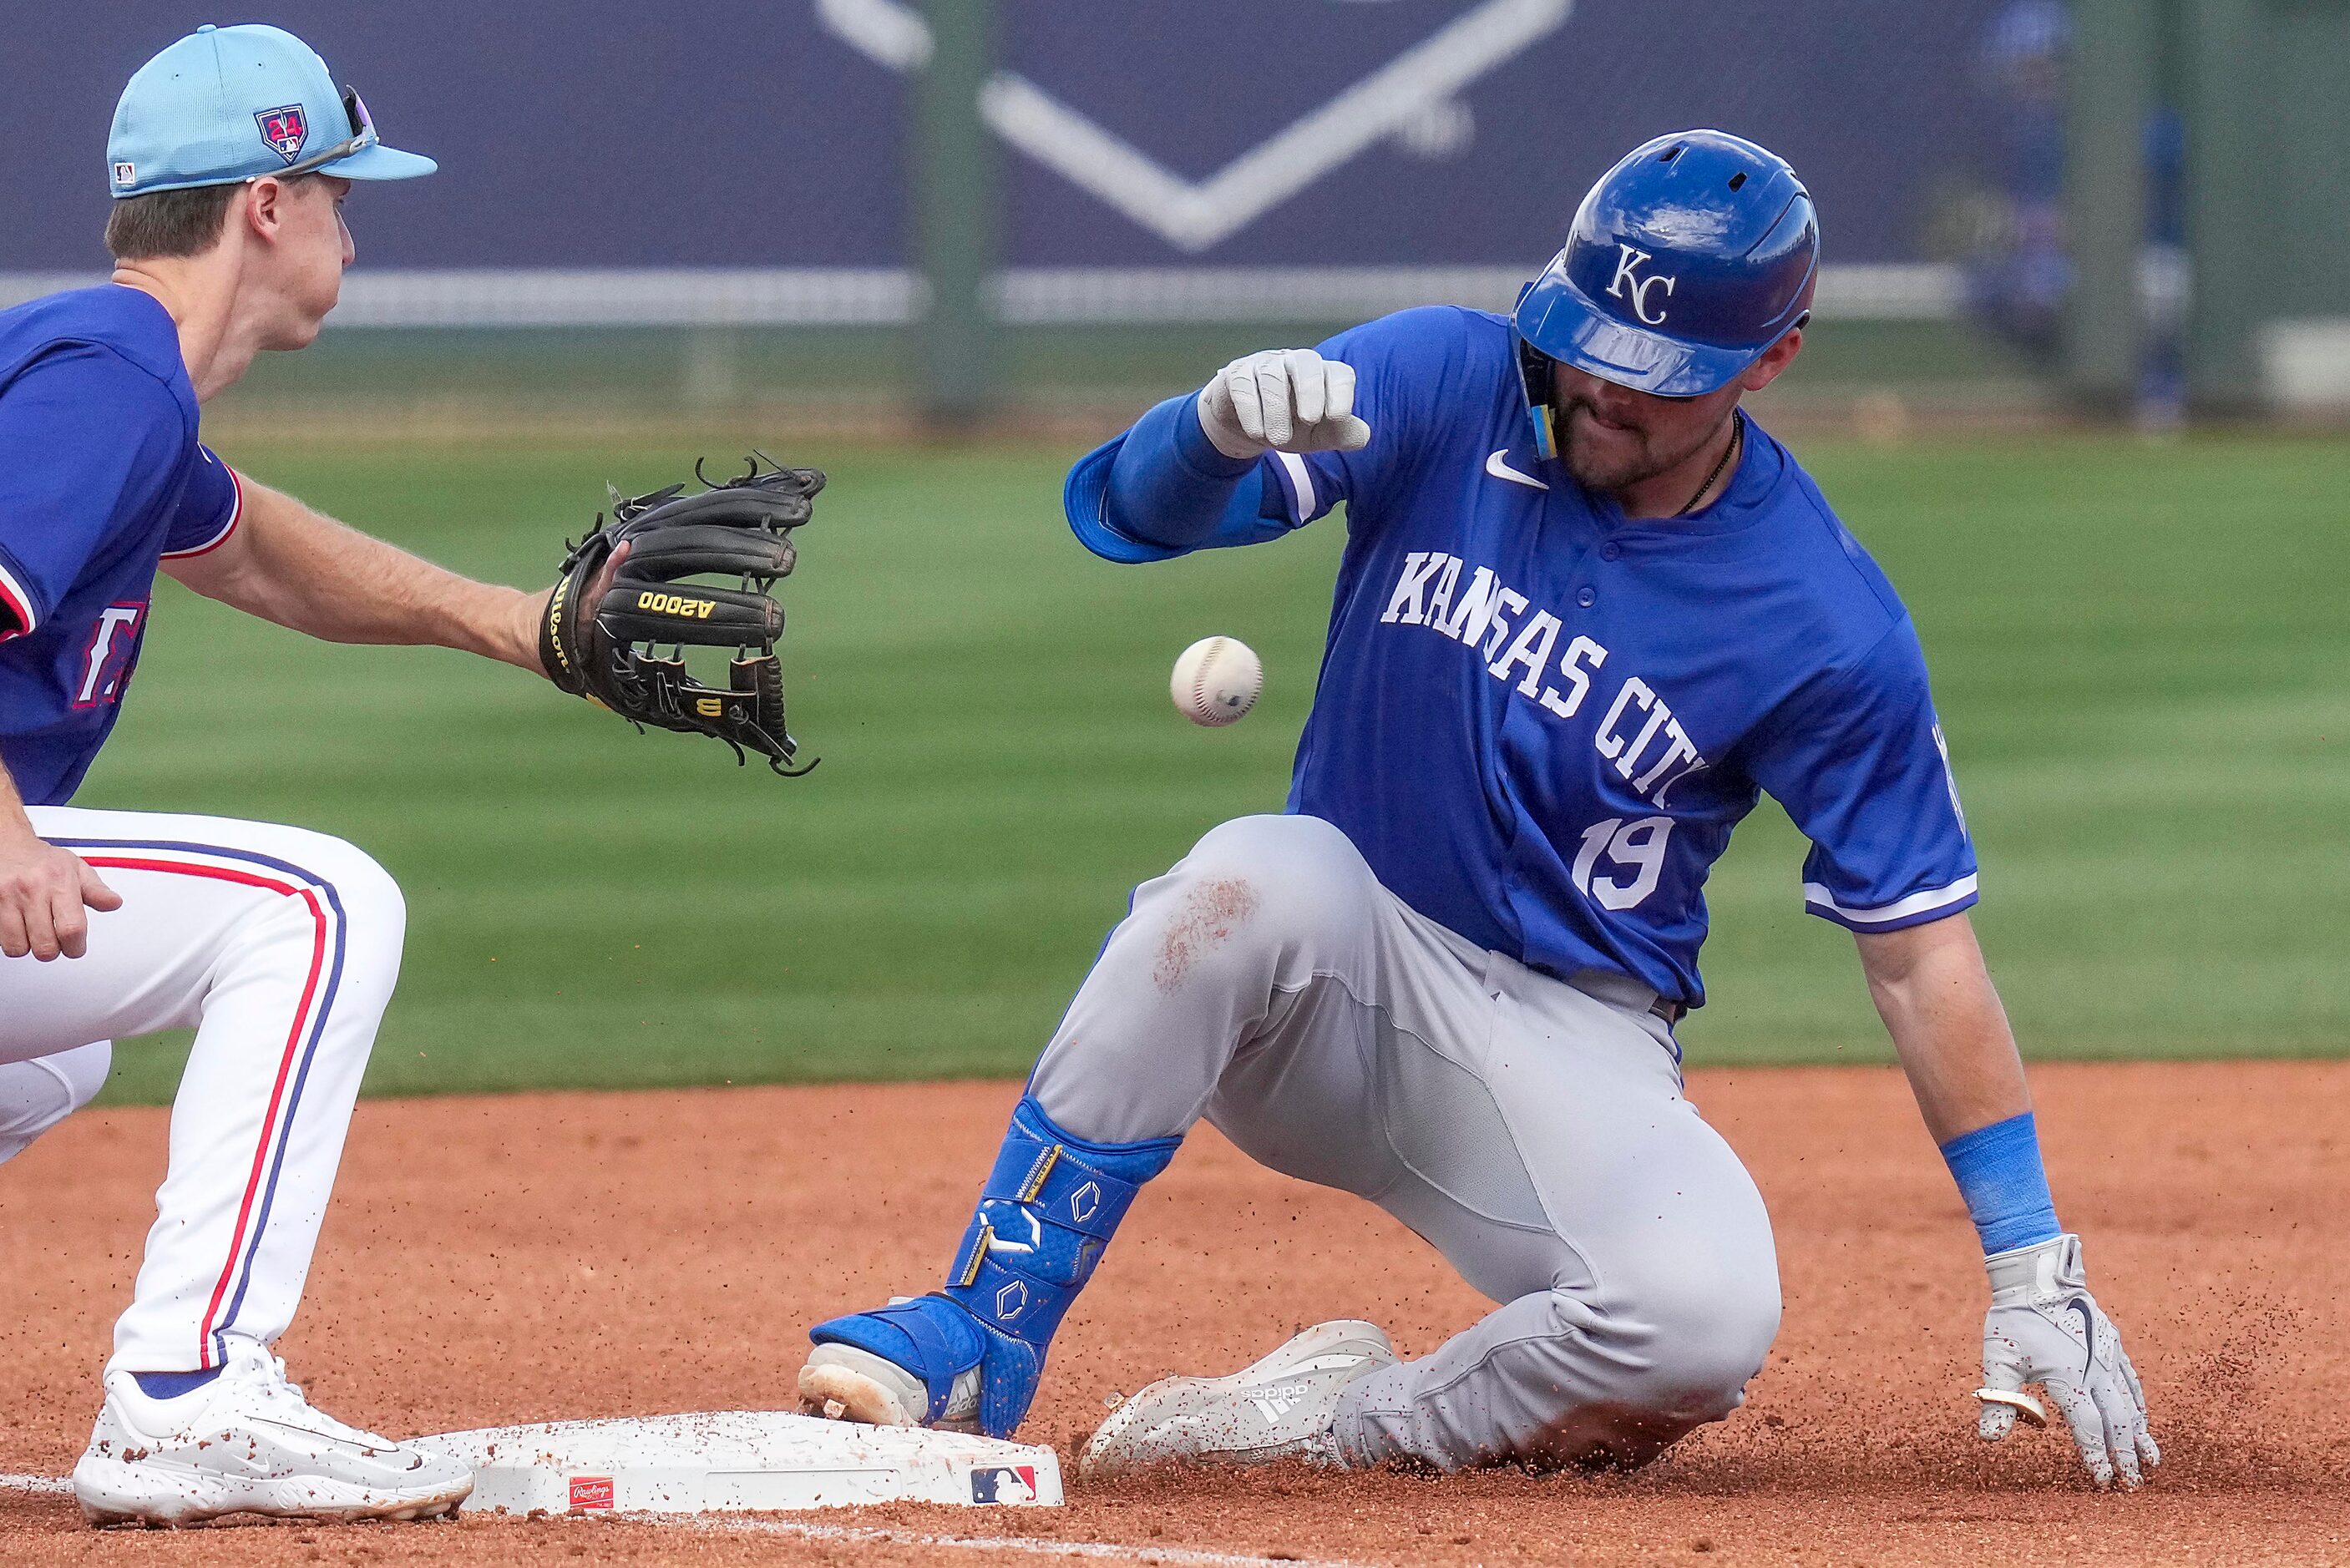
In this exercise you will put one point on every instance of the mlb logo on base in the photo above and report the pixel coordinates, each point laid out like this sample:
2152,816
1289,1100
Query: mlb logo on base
1004,1483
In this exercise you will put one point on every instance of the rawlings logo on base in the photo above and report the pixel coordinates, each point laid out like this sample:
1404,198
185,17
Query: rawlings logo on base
591,1492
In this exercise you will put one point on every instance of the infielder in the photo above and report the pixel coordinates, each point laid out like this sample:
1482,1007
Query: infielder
1588,611
231,155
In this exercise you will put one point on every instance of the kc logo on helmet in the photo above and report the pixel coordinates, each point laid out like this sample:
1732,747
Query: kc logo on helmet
1627,264
283,129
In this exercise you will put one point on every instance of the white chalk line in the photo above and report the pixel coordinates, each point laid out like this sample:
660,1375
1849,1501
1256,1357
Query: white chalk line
1029,1545
876,1535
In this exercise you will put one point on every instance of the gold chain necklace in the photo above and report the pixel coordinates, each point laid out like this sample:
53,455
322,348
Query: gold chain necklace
1737,444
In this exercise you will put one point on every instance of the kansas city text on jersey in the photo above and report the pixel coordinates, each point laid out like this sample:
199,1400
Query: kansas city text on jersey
1483,618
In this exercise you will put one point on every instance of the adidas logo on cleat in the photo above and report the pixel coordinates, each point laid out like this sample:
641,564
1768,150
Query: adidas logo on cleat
1279,1400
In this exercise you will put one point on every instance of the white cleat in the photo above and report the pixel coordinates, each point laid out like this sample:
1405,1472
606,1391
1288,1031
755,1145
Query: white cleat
247,1442
843,1383
1280,1409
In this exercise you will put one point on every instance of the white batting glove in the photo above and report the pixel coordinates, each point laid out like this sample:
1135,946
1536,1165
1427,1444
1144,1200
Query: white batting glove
2044,1327
1281,399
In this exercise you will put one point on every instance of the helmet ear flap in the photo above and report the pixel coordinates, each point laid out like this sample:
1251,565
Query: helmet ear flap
1538,375
1793,239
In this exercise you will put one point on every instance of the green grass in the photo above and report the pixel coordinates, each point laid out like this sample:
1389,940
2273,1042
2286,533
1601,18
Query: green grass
2141,657
648,370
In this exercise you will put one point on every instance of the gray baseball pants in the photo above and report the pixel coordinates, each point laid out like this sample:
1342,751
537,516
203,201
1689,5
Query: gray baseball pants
1532,1130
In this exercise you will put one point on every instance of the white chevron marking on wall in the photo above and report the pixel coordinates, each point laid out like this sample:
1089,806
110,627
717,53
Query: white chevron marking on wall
1193,216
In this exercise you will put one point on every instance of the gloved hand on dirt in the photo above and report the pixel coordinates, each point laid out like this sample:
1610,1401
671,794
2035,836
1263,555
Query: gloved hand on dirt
2044,1327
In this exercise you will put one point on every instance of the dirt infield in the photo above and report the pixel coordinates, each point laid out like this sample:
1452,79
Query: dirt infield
494,1261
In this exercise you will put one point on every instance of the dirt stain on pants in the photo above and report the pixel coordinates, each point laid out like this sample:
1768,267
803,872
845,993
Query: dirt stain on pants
1214,910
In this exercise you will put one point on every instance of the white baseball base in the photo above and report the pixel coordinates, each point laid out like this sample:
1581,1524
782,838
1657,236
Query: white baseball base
734,1461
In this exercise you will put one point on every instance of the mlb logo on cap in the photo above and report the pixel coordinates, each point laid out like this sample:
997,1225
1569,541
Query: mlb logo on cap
229,104
283,129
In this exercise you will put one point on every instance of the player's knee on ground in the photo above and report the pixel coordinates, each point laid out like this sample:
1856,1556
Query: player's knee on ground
1288,881
1678,1353
35,1095
1718,1335
1712,1311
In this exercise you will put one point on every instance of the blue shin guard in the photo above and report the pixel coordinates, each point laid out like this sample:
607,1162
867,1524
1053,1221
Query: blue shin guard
1050,1206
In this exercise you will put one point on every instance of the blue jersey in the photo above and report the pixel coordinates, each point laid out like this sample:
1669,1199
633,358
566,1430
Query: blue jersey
1539,719
100,477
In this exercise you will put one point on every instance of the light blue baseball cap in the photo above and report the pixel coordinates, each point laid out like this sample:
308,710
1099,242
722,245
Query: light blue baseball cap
229,104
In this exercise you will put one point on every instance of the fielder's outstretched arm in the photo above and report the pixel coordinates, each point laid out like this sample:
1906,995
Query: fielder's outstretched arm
1935,997
300,568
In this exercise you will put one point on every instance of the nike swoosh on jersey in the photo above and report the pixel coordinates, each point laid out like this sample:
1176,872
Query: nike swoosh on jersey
1500,469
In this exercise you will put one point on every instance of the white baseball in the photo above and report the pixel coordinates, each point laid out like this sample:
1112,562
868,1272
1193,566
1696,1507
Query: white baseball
1216,681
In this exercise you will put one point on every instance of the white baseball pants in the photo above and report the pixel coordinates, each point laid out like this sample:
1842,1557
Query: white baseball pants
280,947
1533,1132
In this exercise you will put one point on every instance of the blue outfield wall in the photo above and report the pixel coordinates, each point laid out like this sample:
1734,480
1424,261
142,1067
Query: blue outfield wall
1230,133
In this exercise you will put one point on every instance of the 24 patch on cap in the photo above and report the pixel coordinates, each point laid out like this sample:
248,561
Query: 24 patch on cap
283,129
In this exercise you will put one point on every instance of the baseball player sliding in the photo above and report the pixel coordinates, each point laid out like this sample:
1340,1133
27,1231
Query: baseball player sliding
1588,610
230,155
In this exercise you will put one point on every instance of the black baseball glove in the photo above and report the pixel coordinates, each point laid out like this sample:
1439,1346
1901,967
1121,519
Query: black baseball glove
622,617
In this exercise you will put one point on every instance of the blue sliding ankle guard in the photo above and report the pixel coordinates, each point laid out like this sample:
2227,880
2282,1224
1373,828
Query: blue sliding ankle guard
1050,1206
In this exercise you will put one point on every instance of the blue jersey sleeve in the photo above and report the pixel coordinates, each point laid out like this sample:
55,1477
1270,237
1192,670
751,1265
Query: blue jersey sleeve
86,439
210,508
1162,490
1859,764
1410,371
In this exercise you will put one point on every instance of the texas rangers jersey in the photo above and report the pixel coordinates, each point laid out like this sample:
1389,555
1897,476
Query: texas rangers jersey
100,477
1539,719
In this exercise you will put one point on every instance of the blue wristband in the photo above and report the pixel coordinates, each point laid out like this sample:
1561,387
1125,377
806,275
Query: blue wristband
1999,1174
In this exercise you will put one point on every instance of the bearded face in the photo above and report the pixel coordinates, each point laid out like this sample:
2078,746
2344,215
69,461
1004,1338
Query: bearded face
1610,436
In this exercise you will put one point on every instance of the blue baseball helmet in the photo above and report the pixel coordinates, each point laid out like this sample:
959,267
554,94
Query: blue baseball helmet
1686,262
